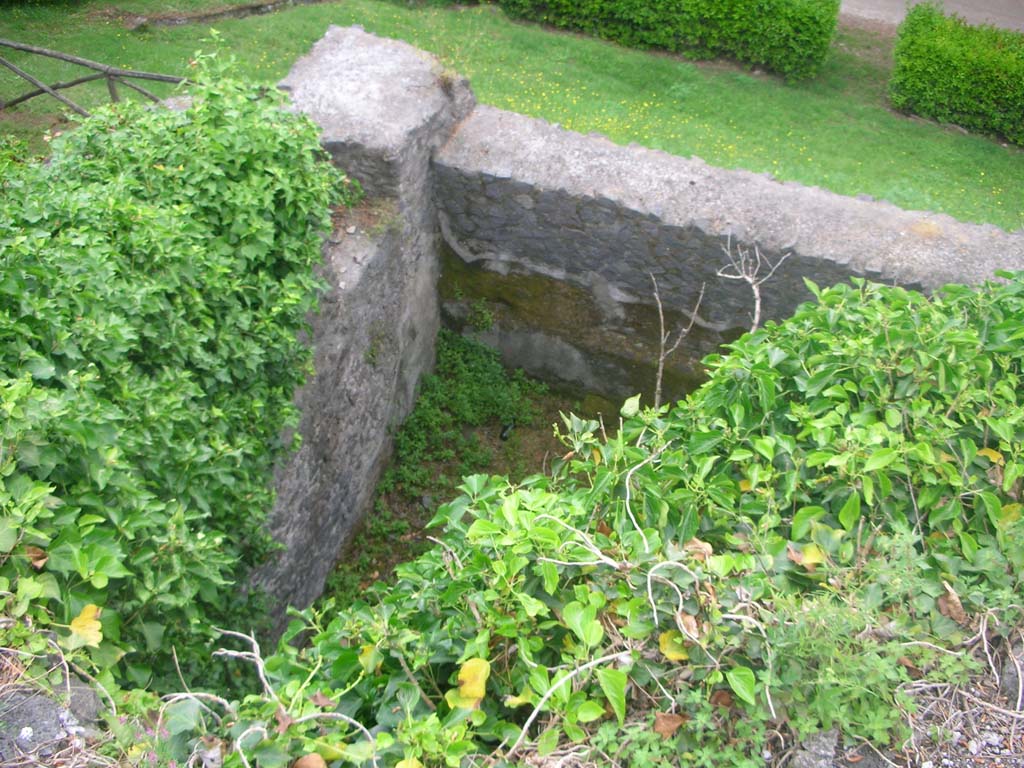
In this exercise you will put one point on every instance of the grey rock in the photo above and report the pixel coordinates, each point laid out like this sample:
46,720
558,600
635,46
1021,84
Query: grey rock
1009,676
33,723
817,751
383,108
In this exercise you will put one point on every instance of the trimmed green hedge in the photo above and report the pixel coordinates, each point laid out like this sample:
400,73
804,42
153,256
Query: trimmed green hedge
956,73
790,37
154,277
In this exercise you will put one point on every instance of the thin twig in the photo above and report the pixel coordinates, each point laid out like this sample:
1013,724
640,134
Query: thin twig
254,657
240,747
622,657
664,336
412,679
747,268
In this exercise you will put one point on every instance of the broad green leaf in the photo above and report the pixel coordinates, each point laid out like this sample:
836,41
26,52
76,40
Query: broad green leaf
741,680
849,515
613,683
8,534
589,711
548,742
549,574
802,521
881,459
183,716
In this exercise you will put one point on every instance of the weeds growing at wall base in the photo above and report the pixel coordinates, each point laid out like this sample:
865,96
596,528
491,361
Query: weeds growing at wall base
827,528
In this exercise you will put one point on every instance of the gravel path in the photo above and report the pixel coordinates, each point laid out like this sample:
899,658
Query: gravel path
1001,13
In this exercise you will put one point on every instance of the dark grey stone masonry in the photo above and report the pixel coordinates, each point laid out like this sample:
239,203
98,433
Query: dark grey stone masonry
383,107
514,190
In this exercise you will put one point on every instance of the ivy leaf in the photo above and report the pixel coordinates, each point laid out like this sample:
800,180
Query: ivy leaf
8,535
589,711
741,680
548,741
802,521
613,683
809,556
881,459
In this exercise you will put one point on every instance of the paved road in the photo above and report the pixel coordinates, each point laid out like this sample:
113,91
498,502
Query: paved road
1001,13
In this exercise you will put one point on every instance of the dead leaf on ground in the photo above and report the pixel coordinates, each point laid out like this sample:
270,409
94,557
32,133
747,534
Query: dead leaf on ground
912,669
666,724
698,550
320,700
689,626
36,557
312,760
722,698
950,605
283,721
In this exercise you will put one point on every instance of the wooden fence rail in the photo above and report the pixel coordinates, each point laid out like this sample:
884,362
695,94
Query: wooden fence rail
113,75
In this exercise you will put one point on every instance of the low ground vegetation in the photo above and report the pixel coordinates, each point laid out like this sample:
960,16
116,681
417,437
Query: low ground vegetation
825,529
157,272
471,415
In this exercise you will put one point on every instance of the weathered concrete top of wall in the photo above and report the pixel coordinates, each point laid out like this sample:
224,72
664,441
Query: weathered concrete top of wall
372,98
867,237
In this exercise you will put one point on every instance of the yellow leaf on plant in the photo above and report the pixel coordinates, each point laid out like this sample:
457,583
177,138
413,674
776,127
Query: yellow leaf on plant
369,658
473,680
745,485
527,696
671,645
85,628
1011,513
994,456
409,762
812,557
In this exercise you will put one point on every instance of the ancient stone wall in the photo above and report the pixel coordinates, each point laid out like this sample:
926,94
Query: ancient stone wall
383,109
553,238
518,197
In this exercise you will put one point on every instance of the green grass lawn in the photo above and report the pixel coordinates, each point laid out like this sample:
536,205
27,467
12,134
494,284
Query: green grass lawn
835,131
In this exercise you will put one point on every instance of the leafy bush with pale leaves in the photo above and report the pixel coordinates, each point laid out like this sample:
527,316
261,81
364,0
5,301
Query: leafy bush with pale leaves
156,273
